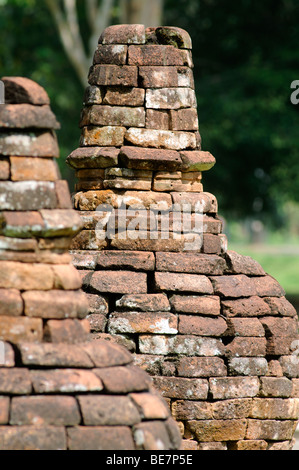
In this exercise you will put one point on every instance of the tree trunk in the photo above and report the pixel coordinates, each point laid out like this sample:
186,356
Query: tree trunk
144,12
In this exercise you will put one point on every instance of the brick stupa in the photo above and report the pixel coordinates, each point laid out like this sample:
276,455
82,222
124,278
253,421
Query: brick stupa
213,329
57,390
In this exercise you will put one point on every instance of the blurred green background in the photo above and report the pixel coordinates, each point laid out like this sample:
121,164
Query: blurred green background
245,55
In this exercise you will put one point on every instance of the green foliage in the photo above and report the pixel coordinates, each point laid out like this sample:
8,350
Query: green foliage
246,55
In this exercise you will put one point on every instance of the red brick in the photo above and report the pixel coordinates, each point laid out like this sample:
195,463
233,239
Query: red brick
246,346
24,90
55,304
125,75
202,326
139,261
32,438
245,327
201,367
17,329
267,286
15,381
123,34
97,322
4,169
152,406
142,322
251,307
34,169
63,195
234,387
54,355
152,435
282,345
276,387
65,381
97,304
188,410
281,306
196,263
197,160
182,388
93,157
66,331
43,410
100,438
149,159
7,355
183,282
109,406
110,54
184,120
157,119
158,55
231,409
4,410
10,302
240,264
233,286
123,380
119,282
212,244
106,354
280,326
25,116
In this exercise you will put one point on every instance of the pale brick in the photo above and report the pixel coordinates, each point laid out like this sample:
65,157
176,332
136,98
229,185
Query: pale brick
181,345
172,140
201,367
234,387
103,136
142,322
273,430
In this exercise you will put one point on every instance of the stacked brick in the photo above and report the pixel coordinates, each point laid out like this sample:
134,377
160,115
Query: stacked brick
213,329
58,390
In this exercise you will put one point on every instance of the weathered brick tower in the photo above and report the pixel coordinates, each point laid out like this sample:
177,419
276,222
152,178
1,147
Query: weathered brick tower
211,327
57,390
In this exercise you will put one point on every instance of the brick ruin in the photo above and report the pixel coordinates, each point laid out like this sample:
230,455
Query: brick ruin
58,390
214,330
